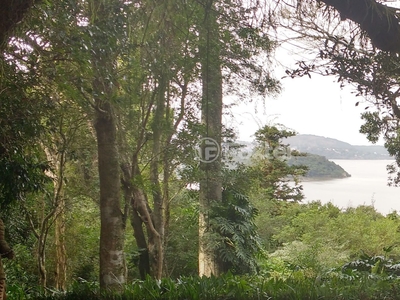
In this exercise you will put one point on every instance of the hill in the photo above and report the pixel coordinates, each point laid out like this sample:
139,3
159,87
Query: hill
319,167
335,149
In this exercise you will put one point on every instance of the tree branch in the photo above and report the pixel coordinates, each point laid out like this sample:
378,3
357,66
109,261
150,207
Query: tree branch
11,13
380,22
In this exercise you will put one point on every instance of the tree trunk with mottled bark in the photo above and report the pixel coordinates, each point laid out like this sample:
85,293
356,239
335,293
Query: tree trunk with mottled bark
211,109
112,258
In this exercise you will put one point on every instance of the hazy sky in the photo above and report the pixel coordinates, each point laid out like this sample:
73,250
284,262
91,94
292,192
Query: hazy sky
309,106
315,105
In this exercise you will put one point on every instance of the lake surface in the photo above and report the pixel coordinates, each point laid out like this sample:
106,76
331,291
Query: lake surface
366,186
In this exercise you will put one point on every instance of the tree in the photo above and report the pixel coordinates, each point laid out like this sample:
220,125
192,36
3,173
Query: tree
21,173
12,13
211,115
270,171
231,38
89,36
48,123
274,184
23,106
140,98
157,101
105,24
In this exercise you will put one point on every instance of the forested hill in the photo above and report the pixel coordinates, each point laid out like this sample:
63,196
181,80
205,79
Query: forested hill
335,149
319,167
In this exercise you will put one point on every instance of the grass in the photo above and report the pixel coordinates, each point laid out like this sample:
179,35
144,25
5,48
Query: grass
229,287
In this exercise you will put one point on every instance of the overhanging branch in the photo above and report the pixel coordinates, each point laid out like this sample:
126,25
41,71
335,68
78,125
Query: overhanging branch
11,13
380,22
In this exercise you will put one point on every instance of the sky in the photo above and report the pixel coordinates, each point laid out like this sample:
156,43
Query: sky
316,105
309,106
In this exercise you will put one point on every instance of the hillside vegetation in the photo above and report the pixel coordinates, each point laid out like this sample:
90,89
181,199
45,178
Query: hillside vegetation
319,167
312,251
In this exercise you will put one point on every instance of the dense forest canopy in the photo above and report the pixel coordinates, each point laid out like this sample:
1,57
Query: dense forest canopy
102,104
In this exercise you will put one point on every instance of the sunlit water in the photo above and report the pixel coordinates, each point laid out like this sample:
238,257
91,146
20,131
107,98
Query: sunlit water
367,185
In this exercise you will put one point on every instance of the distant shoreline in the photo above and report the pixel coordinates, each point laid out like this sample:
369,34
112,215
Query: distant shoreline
308,179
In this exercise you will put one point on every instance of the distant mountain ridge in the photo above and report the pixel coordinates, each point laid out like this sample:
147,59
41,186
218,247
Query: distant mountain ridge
335,149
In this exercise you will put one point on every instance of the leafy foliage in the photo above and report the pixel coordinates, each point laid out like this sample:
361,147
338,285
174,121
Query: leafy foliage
374,265
181,252
276,179
237,243
155,62
20,127
317,237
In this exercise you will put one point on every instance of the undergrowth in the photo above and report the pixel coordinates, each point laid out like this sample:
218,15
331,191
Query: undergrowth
230,287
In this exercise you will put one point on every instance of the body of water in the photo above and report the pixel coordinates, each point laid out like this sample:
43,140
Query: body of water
366,186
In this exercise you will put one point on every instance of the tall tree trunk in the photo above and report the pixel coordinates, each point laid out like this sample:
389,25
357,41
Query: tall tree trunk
112,259
211,108
42,264
167,162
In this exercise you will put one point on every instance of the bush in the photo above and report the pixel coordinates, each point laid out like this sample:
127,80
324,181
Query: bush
230,287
